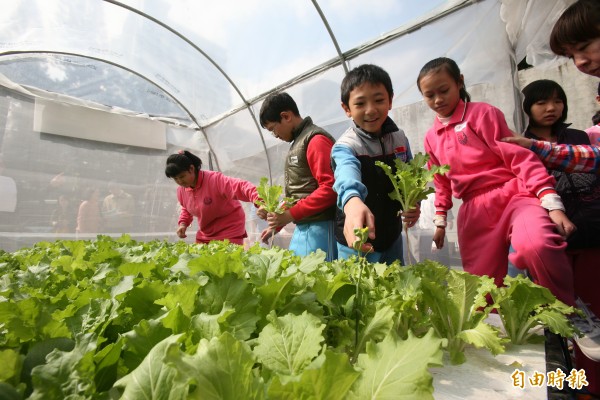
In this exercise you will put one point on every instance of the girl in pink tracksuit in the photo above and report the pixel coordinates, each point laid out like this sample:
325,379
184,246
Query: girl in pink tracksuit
210,196
508,197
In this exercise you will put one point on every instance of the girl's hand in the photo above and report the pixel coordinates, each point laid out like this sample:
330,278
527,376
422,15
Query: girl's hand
563,224
411,217
181,231
438,237
518,139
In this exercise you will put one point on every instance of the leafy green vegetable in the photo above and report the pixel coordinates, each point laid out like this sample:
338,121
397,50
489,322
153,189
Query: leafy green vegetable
66,374
411,179
271,200
411,182
397,369
458,309
116,318
330,370
362,234
523,305
155,379
271,197
220,369
290,343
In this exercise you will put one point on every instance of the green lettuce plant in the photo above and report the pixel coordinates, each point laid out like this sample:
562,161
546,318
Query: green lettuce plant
117,318
362,234
271,199
458,307
524,306
410,181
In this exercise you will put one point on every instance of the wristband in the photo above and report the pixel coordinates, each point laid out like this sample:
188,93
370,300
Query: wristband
551,202
439,221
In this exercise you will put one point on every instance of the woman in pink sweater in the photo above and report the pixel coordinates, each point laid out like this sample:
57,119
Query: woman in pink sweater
211,197
508,197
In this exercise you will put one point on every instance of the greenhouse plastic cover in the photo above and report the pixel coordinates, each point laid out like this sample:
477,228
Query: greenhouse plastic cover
98,93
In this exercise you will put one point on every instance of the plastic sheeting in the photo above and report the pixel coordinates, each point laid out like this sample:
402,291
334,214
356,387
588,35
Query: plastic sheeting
202,70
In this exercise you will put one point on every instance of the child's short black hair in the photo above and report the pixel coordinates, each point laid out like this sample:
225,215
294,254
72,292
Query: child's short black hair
578,24
362,74
596,118
450,66
543,89
274,105
181,162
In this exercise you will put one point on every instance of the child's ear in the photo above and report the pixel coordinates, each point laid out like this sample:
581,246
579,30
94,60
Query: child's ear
346,109
287,116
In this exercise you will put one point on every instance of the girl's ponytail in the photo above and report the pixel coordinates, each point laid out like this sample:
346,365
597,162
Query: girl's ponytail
181,162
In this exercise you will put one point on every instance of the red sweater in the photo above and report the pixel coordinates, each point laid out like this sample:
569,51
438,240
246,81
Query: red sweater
478,160
318,154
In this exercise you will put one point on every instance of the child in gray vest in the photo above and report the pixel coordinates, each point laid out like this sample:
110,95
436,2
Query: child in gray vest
308,178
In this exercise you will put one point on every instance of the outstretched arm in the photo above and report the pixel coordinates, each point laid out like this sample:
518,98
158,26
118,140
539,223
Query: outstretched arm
351,194
562,157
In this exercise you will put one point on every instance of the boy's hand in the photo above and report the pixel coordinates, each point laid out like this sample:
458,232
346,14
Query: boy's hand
358,215
563,224
277,220
267,234
262,213
411,217
438,237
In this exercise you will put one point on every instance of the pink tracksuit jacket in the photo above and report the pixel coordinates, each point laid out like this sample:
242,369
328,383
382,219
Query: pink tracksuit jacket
499,184
215,201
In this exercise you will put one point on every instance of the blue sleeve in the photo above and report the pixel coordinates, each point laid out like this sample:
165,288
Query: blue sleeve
346,170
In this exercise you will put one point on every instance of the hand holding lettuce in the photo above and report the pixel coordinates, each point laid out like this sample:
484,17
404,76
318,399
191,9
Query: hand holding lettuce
271,199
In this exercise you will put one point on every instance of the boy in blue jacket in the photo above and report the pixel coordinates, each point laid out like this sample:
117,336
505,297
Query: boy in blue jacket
362,187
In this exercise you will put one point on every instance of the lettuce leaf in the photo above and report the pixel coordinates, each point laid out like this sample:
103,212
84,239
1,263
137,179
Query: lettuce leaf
411,179
289,343
398,369
328,379
523,305
222,368
458,308
153,378
271,197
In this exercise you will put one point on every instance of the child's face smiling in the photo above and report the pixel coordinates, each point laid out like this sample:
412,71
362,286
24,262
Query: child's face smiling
368,106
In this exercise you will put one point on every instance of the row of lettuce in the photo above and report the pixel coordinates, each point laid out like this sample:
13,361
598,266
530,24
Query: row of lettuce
116,318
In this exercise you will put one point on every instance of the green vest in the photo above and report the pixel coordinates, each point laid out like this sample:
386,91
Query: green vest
299,181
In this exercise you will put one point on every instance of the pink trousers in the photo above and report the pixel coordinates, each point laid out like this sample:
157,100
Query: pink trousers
489,221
